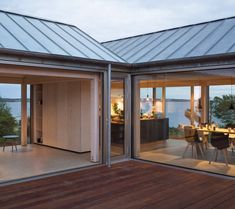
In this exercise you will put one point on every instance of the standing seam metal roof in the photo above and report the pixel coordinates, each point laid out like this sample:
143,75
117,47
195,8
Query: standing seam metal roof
20,32
203,39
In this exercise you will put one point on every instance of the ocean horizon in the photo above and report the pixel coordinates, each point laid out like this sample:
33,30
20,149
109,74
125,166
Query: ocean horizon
175,110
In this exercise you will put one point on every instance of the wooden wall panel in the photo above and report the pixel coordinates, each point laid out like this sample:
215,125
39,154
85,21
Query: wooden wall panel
49,115
67,115
86,115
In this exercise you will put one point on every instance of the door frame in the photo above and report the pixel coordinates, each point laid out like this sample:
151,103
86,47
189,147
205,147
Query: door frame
127,108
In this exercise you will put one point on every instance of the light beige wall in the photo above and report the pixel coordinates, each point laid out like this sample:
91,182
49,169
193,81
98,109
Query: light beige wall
67,115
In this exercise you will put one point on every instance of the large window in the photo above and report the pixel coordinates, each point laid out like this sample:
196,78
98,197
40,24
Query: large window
10,110
220,105
182,116
178,109
118,118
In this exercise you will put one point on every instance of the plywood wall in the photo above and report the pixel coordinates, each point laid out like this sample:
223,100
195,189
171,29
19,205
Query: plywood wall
67,115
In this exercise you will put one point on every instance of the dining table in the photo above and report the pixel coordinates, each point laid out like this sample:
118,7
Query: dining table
229,131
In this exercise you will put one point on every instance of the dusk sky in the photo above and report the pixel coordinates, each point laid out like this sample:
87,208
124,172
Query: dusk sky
111,19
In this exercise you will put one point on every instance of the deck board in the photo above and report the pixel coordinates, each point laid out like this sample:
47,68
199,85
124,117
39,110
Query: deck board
130,184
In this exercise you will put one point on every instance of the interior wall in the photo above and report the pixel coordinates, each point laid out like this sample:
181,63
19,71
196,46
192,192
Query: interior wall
67,115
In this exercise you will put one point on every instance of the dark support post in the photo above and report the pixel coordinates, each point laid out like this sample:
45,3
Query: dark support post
23,114
107,116
154,96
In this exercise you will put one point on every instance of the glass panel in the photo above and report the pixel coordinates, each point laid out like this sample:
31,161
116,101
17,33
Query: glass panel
185,118
151,103
178,110
10,112
118,117
220,105
196,117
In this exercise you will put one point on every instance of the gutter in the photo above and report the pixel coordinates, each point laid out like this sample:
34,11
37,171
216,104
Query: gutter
76,63
219,61
22,56
185,60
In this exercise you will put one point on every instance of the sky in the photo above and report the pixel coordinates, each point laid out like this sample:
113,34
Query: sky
112,19
185,93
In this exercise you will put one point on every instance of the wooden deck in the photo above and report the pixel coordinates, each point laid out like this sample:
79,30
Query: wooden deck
129,185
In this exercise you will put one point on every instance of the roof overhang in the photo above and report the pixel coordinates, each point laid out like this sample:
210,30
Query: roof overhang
220,61
33,59
25,58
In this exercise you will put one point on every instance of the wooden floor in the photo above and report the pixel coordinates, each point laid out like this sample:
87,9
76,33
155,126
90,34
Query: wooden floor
171,152
128,184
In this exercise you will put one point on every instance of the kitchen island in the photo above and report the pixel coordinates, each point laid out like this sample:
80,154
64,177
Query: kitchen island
154,129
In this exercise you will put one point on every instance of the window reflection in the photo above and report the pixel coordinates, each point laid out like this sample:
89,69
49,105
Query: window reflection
117,117
182,114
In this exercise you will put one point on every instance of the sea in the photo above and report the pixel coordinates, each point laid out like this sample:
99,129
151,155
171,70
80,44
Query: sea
16,109
175,111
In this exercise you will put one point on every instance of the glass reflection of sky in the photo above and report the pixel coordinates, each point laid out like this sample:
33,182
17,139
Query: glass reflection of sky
174,93
12,91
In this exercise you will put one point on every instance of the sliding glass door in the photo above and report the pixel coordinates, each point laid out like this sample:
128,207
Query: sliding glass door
119,116
176,115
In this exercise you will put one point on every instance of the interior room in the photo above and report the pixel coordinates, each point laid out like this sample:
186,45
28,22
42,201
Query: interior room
117,118
58,126
187,119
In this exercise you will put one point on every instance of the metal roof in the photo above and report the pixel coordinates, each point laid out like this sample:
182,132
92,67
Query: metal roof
203,39
20,32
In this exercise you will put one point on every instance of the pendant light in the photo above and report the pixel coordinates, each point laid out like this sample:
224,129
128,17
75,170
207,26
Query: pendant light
147,96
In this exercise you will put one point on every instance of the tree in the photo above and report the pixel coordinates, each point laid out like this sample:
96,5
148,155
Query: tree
219,108
8,123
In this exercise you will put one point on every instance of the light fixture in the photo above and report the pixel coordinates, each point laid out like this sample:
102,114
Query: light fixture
147,96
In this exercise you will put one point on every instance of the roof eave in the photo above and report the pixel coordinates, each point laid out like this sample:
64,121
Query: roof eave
21,53
213,57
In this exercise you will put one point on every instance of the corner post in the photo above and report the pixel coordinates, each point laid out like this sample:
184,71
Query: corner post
23,114
107,116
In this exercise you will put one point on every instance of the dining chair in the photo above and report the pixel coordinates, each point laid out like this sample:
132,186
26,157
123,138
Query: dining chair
191,136
220,142
231,136
204,137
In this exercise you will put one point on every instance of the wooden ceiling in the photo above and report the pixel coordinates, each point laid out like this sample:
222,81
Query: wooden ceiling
215,77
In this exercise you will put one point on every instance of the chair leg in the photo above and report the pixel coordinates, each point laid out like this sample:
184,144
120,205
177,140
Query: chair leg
225,151
216,155
192,150
196,151
201,150
185,150
212,157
